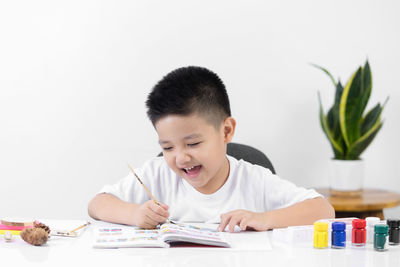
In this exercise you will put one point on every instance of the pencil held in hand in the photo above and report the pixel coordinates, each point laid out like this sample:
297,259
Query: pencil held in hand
145,188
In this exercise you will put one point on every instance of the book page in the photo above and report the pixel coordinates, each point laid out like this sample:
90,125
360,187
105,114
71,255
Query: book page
238,240
124,236
172,233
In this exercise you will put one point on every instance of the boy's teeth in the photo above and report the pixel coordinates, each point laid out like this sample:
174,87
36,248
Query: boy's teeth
188,169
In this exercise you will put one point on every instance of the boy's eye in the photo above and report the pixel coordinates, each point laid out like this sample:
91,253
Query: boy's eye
194,144
167,148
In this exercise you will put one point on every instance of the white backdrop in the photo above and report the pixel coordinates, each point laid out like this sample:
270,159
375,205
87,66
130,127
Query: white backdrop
74,76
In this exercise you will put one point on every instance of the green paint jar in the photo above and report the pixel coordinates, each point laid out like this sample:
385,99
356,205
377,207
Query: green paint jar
381,237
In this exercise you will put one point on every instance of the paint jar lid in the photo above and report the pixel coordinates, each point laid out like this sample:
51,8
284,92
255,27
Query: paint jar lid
372,220
393,223
338,226
321,226
358,223
381,229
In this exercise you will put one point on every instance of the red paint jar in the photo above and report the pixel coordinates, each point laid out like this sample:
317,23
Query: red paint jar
358,234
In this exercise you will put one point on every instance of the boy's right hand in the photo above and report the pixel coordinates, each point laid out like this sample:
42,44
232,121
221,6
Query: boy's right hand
149,214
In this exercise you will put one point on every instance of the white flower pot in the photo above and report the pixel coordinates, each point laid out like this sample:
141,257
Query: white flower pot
346,177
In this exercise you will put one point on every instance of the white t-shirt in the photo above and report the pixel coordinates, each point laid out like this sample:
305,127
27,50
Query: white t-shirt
250,187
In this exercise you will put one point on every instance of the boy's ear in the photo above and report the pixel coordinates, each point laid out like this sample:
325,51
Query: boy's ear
229,126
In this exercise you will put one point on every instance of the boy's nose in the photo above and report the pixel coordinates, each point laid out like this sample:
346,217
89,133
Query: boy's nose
182,158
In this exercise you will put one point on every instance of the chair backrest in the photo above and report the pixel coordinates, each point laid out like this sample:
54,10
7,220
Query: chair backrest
250,154
247,153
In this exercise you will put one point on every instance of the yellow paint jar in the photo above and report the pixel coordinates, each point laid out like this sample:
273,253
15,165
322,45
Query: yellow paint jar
320,234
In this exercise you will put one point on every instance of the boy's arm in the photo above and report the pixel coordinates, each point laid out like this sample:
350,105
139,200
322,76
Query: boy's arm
302,213
109,208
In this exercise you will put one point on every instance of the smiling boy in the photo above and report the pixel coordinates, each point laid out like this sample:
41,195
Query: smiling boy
195,180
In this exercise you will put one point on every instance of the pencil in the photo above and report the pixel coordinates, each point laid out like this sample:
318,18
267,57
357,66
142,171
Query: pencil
145,188
80,227
148,192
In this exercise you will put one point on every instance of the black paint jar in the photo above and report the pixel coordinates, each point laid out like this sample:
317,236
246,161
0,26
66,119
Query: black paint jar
394,231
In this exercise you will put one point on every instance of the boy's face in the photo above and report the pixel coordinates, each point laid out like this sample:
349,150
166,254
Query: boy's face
195,150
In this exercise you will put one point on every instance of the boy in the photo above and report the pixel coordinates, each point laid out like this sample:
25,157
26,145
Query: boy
195,180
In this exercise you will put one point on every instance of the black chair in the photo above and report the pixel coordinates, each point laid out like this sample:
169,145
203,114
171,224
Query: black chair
249,154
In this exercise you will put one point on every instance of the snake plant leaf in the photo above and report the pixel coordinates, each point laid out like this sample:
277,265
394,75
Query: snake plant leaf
327,72
338,94
366,86
337,149
360,145
333,123
372,117
333,114
350,108
324,125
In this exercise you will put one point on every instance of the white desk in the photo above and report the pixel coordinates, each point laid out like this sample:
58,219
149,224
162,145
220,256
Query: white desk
73,252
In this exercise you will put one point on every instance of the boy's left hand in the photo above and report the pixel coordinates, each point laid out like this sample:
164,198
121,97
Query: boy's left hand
244,219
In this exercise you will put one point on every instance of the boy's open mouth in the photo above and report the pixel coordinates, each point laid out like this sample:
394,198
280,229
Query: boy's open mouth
193,171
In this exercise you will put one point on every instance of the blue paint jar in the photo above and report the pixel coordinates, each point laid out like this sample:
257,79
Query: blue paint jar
338,235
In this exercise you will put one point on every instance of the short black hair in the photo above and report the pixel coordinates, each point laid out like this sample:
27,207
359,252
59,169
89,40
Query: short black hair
187,91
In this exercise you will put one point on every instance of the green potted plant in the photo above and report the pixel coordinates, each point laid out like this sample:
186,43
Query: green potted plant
350,129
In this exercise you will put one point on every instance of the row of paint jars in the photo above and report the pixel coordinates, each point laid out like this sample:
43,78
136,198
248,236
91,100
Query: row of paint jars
371,230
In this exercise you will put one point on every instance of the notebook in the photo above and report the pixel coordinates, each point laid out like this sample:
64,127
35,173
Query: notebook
165,236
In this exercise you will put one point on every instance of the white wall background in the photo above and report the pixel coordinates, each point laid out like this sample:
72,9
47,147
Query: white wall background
74,76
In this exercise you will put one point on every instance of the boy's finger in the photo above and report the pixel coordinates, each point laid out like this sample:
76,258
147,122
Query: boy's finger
224,221
164,206
243,224
233,222
147,225
159,210
156,217
150,220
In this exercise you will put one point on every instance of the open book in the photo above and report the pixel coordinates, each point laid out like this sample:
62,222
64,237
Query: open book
168,234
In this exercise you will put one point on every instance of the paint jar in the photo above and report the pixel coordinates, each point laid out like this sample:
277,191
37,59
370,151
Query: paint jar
381,237
394,231
358,234
371,221
320,234
338,237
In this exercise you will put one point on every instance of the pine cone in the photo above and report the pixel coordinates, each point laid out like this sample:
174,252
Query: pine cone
35,236
37,224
